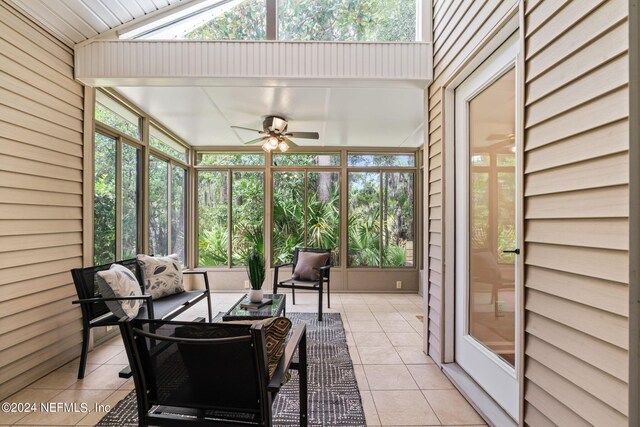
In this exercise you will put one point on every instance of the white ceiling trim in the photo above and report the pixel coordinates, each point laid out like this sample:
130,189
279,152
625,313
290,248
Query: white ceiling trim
189,63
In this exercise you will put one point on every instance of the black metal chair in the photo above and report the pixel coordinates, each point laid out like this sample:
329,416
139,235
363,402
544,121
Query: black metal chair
314,285
208,373
96,313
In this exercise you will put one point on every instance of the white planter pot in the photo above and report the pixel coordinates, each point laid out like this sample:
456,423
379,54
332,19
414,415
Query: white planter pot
255,295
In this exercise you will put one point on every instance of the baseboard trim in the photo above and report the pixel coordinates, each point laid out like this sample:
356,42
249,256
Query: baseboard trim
488,409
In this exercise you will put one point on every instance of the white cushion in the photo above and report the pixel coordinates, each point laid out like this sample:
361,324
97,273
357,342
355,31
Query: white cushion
119,281
162,275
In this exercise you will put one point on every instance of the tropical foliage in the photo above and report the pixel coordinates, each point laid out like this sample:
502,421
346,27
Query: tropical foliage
381,223
315,224
328,20
246,199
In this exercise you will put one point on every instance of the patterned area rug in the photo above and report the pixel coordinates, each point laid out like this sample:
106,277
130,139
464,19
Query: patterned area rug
334,399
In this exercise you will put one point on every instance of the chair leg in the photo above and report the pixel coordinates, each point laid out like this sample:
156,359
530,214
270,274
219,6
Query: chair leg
320,303
302,378
86,335
209,307
328,294
293,293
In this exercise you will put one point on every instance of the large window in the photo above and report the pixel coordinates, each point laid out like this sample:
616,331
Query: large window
381,217
319,20
347,20
116,204
230,216
112,113
167,203
306,212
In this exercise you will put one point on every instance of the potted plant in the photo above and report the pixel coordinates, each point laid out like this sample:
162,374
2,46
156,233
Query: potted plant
256,272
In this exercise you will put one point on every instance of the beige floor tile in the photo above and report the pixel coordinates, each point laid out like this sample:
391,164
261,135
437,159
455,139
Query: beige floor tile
376,298
379,356
406,339
382,308
371,339
429,377
128,385
370,412
117,340
360,315
355,355
30,396
389,377
381,316
351,299
396,326
104,378
67,417
408,408
364,326
105,406
355,308
413,355
408,308
101,354
118,359
451,408
63,377
361,377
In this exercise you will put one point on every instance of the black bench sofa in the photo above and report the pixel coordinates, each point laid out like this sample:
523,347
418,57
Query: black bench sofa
96,313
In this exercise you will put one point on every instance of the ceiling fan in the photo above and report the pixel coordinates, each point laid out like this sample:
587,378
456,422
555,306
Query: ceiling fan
275,135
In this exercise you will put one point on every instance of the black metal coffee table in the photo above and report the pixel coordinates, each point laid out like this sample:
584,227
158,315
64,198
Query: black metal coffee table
276,308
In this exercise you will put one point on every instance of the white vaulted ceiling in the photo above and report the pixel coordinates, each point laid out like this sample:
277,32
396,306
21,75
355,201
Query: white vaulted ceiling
75,21
371,117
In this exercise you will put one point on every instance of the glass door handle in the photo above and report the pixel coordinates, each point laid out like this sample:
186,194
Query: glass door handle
514,251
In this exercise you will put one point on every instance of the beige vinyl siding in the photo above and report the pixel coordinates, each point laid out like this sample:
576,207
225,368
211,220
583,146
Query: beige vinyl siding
41,134
576,213
459,27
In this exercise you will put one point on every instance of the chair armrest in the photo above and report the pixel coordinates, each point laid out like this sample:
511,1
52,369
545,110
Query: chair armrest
298,337
205,275
101,299
276,269
324,271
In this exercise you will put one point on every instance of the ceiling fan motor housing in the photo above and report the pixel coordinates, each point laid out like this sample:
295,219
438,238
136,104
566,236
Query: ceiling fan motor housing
274,124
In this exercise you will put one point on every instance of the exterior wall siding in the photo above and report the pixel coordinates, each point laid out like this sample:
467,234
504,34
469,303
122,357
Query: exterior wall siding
459,27
41,129
576,200
576,213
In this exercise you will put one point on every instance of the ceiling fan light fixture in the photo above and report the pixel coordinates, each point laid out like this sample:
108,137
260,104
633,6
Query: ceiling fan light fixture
273,142
266,146
283,146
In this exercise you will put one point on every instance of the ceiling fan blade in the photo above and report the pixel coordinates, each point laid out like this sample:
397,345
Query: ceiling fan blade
307,135
500,136
253,130
290,142
253,141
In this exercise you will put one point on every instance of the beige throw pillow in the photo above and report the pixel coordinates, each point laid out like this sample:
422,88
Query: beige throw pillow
308,265
119,281
162,275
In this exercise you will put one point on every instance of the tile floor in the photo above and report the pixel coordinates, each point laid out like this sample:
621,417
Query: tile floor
399,384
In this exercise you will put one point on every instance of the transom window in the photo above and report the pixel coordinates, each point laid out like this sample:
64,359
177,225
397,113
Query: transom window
312,20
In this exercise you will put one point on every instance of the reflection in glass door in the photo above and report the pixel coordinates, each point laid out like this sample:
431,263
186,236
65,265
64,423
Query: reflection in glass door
486,221
492,208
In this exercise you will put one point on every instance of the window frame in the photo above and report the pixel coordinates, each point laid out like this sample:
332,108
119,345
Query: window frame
415,171
120,139
305,170
229,169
